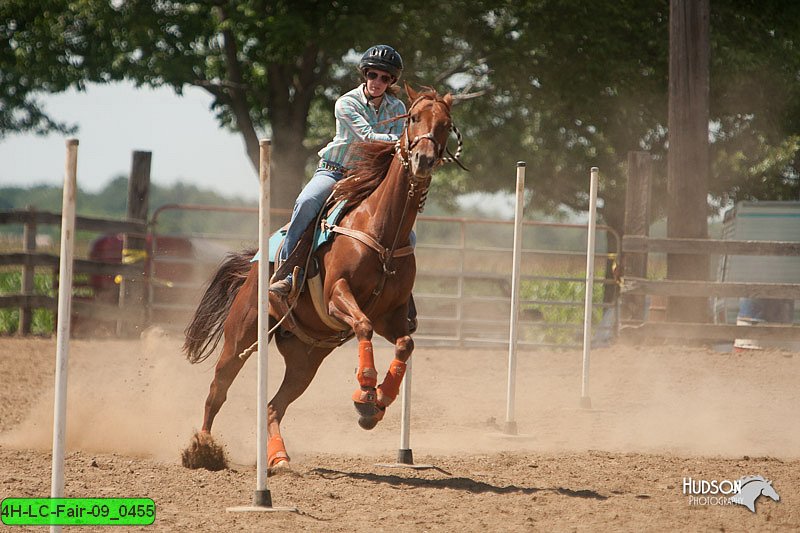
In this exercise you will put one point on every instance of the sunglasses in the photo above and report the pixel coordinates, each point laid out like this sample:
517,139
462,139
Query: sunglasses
374,76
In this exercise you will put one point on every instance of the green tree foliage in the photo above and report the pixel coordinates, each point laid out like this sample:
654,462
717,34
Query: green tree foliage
563,84
26,69
111,202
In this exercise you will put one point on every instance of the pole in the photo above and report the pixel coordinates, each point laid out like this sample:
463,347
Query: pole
262,495
63,320
587,308
510,426
262,498
404,454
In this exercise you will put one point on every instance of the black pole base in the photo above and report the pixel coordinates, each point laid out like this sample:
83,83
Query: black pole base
405,457
262,498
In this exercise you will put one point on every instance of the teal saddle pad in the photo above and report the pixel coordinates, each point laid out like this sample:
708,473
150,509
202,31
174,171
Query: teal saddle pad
321,236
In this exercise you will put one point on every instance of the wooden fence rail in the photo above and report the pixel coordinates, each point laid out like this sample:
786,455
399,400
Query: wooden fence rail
727,289
636,245
97,224
639,331
29,259
643,244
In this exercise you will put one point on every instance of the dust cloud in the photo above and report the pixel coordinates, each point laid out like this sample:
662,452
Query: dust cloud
142,398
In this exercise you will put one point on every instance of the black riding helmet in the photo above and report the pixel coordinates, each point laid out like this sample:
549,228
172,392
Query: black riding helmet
382,57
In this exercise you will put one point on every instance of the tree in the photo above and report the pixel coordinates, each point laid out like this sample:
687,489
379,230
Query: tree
566,84
688,162
24,71
268,65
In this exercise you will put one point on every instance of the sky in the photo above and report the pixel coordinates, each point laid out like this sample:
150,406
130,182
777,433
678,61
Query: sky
113,121
187,144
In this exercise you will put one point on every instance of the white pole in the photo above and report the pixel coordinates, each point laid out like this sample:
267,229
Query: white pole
63,323
262,495
404,455
262,499
587,308
510,426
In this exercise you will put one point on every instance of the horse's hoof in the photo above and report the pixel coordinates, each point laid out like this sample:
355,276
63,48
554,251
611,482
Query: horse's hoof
282,466
367,422
204,452
370,421
367,410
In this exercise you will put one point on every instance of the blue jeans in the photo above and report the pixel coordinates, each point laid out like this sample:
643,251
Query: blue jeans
307,207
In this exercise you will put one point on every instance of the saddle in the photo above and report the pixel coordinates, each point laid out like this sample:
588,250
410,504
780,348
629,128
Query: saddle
314,237
311,240
321,235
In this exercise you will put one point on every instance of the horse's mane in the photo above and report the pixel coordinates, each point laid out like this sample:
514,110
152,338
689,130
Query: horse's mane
369,169
371,165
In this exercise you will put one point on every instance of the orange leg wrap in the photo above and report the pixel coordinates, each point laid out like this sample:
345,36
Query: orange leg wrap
389,389
276,451
367,375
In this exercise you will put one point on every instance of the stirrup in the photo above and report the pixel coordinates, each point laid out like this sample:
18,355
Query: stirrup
297,284
281,288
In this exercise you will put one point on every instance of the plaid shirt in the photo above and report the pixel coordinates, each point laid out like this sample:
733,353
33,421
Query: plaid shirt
356,120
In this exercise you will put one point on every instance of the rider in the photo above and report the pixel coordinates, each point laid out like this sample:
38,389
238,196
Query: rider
362,114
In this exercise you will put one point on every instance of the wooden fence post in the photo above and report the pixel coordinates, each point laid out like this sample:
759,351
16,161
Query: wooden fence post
134,247
637,222
28,285
688,164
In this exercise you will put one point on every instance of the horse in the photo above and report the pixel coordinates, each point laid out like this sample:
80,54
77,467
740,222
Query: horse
368,271
752,488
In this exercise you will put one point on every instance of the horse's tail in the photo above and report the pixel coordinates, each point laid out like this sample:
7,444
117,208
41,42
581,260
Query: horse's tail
205,330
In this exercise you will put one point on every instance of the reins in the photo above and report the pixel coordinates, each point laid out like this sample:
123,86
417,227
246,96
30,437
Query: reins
415,186
410,144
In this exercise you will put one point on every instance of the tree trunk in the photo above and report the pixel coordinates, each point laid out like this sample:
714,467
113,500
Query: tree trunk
637,222
290,91
289,94
688,158
288,167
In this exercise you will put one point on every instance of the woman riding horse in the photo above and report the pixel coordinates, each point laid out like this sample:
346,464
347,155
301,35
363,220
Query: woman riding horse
370,112
368,272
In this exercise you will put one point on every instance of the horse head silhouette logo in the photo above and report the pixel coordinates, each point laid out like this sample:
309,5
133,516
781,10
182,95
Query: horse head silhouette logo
752,488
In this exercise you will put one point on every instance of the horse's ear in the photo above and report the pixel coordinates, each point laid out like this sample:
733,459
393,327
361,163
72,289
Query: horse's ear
448,100
412,94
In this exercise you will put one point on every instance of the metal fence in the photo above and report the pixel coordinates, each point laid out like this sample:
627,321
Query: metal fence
463,287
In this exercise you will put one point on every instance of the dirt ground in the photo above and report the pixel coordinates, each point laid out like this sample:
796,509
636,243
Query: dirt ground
658,415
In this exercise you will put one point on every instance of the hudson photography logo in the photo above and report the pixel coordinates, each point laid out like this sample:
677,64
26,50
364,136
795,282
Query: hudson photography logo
744,491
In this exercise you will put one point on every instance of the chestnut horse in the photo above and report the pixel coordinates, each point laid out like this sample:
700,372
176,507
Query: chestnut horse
368,272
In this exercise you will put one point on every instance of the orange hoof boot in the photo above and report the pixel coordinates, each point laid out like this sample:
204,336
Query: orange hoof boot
365,402
365,396
276,452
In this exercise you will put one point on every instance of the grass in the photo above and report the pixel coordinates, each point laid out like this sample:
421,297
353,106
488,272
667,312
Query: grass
43,322
559,323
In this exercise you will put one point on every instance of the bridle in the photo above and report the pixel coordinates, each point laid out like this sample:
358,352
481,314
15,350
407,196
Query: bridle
411,143
387,255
